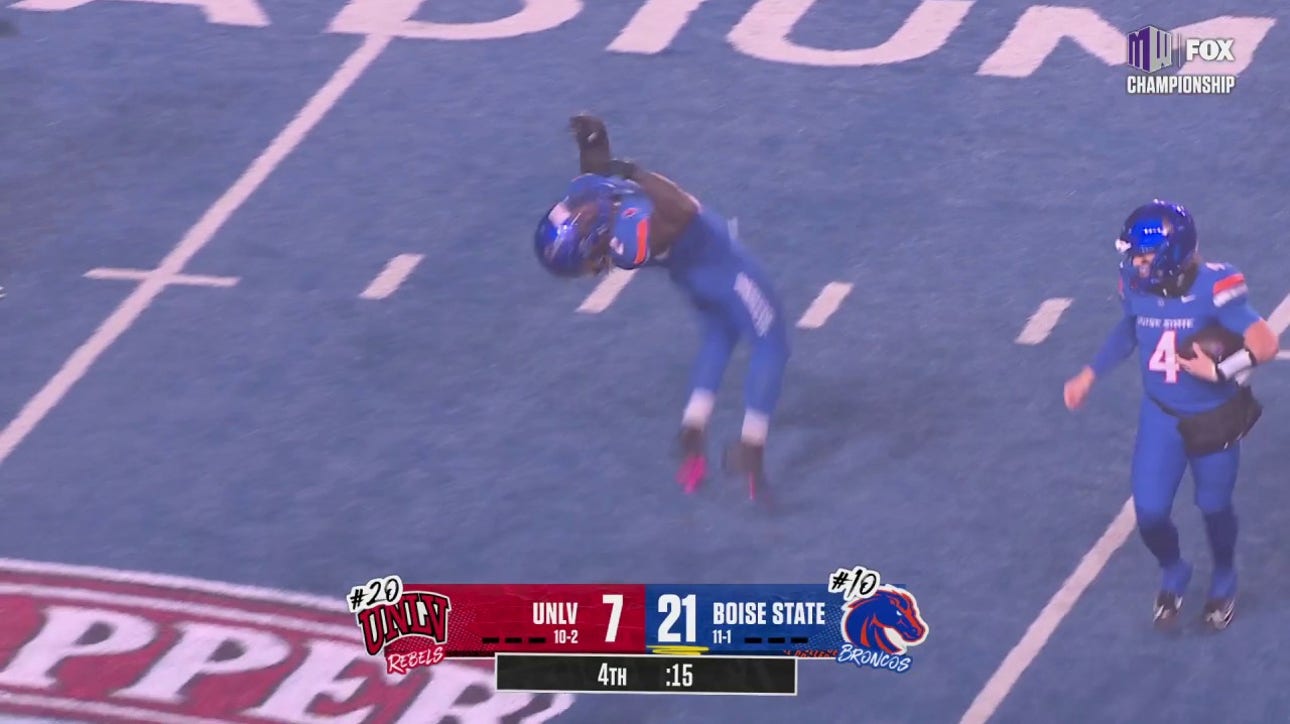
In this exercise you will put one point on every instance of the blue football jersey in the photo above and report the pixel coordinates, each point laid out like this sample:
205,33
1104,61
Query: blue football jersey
629,247
704,242
705,261
1218,296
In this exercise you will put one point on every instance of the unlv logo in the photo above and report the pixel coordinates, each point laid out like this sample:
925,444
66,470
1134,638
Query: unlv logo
410,626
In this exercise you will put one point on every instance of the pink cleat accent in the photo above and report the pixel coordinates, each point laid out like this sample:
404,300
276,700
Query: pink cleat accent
693,469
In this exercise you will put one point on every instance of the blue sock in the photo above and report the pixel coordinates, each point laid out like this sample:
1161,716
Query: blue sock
1223,584
1222,527
1161,538
1174,578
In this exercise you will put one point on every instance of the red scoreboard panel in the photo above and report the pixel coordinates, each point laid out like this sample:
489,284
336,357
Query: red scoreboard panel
542,618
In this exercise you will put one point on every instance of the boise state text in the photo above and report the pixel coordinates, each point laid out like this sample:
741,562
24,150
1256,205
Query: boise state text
880,622
775,619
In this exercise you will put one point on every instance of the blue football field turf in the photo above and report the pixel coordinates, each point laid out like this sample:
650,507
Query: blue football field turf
474,427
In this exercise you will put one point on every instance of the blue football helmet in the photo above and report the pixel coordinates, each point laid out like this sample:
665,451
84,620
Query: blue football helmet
573,238
1165,230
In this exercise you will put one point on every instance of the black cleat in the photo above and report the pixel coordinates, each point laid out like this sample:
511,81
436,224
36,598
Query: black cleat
694,458
747,460
1167,607
1219,612
690,442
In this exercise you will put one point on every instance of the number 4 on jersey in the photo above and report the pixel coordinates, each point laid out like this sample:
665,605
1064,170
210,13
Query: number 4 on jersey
1165,357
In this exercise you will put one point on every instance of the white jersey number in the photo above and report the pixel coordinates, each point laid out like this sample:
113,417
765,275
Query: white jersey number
1165,358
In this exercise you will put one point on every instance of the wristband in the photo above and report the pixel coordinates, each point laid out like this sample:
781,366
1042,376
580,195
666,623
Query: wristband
621,168
1236,364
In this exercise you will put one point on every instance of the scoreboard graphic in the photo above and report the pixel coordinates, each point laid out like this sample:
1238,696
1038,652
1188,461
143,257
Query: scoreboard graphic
602,638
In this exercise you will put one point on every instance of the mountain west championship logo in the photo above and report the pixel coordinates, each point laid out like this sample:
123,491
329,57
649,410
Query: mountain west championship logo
409,626
1155,52
880,622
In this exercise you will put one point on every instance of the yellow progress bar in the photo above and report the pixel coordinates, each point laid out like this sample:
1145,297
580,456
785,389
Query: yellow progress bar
679,650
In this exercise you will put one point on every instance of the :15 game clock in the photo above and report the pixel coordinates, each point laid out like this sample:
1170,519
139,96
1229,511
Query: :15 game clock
680,675
647,674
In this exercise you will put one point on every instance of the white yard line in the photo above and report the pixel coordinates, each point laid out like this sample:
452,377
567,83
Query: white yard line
828,301
606,291
1043,321
1059,606
392,277
1279,320
1280,317
139,275
129,311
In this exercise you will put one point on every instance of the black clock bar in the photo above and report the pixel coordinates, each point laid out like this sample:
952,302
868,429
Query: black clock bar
647,674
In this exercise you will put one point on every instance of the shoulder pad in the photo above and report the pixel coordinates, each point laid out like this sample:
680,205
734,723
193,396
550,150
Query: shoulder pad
1229,283
630,245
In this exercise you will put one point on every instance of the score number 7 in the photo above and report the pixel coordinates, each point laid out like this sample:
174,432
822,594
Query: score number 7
615,601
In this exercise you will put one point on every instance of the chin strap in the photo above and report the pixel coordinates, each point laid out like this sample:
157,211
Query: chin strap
1180,285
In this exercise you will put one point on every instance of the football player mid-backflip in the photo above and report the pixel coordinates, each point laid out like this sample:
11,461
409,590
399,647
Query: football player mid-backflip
619,214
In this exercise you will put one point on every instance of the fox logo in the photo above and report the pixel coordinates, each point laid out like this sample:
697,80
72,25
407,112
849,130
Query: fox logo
887,621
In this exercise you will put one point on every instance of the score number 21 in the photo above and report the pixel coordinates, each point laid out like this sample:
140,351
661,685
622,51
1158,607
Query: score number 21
674,606
669,603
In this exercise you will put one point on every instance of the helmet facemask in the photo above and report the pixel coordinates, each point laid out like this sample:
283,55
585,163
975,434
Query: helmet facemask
1153,260
590,227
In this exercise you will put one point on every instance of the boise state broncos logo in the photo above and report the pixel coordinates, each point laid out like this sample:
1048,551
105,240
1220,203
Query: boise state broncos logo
887,621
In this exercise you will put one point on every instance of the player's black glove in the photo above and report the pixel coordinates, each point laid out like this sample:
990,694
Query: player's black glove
622,168
590,133
593,148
